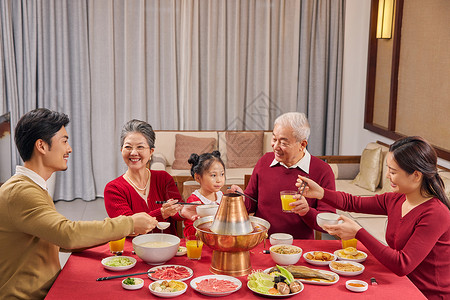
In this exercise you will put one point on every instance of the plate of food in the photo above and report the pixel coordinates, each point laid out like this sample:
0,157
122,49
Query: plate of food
170,272
277,284
181,251
319,258
351,254
216,285
308,275
167,289
132,283
346,268
118,263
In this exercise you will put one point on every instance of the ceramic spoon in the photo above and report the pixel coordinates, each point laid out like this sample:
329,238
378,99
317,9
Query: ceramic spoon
162,225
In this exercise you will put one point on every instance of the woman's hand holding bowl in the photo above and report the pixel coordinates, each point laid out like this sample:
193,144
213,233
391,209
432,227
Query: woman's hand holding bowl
190,212
345,230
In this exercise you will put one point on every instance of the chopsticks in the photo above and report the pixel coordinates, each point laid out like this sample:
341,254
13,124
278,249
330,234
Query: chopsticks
301,188
125,275
182,203
242,194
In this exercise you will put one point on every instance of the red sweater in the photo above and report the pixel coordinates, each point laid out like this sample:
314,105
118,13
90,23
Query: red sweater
122,199
265,185
419,243
189,228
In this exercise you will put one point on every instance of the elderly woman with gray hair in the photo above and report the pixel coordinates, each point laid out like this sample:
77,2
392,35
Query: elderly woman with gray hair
277,171
139,188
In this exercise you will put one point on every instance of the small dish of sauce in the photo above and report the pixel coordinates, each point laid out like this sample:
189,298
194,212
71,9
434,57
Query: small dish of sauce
356,285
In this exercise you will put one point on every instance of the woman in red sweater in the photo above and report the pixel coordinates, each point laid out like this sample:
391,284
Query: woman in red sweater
208,170
139,188
418,230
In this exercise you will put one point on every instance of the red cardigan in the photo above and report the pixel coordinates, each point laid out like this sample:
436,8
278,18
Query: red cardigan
122,199
419,242
265,185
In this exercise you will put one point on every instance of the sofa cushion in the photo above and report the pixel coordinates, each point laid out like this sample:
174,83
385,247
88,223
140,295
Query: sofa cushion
186,145
446,179
369,169
348,187
385,183
158,162
243,148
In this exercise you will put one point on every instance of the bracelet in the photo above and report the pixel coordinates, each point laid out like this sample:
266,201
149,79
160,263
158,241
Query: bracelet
179,213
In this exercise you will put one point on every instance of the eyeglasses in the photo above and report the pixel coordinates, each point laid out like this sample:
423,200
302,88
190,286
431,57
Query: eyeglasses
138,148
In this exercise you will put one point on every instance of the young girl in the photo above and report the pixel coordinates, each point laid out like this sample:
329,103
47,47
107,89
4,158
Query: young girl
418,230
208,170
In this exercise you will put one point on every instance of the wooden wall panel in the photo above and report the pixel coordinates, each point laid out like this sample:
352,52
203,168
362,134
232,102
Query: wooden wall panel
423,102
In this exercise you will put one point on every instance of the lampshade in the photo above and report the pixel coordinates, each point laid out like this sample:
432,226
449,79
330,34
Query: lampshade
385,17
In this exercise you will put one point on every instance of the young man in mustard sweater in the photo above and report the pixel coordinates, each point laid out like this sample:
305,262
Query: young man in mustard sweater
31,230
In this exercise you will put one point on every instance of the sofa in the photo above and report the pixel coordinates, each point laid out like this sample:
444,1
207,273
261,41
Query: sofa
365,175
240,150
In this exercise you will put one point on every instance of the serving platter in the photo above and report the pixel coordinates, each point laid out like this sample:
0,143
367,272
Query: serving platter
189,272
195,281
318,262
316,281
321,281
338,253
118,268
347,273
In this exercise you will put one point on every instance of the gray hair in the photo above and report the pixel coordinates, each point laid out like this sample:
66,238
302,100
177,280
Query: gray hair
141,127
298,122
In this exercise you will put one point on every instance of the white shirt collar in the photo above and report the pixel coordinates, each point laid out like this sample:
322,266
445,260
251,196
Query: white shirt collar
302,164
21,170
205,200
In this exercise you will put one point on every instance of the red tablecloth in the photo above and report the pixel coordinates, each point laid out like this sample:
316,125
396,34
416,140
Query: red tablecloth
77,280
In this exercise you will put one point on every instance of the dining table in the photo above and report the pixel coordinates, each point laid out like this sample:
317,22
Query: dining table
77,279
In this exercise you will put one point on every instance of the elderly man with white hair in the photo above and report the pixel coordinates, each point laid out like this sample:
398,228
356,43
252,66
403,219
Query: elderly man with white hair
278,170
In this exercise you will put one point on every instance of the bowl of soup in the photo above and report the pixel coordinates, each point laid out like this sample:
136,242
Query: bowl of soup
156,248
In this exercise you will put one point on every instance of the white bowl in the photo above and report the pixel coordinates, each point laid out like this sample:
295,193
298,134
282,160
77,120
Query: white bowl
347,273
167,294
207,210
281,238
181,251
285,259
327,219
138,283
156,255
118,268
356,288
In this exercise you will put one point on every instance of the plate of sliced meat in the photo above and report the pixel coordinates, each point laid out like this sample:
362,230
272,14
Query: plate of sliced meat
170,272
216,285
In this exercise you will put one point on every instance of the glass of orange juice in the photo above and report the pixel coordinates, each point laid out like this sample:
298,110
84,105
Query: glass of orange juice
116,247
349,243
286,199
194,247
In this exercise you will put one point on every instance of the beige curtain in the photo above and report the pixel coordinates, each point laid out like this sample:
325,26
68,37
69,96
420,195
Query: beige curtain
189,65
179,64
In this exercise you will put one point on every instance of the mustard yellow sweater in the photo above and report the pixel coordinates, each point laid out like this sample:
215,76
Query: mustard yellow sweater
31,233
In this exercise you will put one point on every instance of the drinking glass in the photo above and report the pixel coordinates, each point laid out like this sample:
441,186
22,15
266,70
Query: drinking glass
116,247
349,243
194,247
286,199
